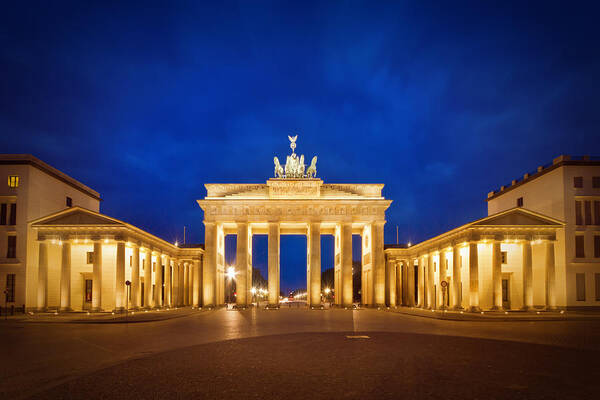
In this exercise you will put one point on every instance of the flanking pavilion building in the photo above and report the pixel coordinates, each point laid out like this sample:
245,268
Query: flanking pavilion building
539,247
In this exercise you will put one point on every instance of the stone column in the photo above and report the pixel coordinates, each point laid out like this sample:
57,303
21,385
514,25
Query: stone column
168,282
175,281
527,276
135,277
456,279
347,296
430,283
496,275
421,283
186,284
42,287
378,264
405,283
314,239
97,277
190,272
148,279
410,268
391,286
442,278
241,277
210,265
399,283
273,264
197,272
120,278
65,277
181,288
158,281
550,276
473,278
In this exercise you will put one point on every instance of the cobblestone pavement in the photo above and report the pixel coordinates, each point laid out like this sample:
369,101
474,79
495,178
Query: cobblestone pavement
296,352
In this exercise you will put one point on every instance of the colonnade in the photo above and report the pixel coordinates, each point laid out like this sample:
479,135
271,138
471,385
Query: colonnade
373,268
401,285
181,285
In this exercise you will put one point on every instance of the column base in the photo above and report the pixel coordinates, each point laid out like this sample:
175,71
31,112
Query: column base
457,308
527,308
474,309
496,308
65,309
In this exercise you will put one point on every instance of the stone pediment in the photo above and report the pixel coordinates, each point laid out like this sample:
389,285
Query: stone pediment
76,216
517,216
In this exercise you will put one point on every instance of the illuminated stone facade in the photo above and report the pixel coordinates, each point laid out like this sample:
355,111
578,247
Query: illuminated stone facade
539,248
298,207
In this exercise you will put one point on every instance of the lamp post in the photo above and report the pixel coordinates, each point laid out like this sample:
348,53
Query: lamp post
128,286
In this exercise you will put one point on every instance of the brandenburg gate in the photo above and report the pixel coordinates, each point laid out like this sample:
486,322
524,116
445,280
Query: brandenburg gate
295,202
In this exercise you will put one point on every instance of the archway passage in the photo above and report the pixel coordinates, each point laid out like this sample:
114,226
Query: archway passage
295,207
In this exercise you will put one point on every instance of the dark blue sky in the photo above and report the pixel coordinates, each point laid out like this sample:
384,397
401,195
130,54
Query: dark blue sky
442,102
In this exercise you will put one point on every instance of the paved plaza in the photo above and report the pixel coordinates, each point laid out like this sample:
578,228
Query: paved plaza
295,353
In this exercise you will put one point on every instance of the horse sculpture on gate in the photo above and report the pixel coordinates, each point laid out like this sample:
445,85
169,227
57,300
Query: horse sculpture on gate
294,167
278,168
311,172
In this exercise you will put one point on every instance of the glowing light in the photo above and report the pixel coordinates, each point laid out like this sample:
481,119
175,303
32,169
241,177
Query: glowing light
253,290
105,240
327,290
176,243
409,244
230,272
76,240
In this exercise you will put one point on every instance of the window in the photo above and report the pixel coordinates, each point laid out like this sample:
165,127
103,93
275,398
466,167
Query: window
13,181
153,267
597,276
446,264
11,252
596,182
588,212
90,257
578,213
579,246
596,246
10,288
596,212
130,261
3,214
520,202
88,290
69,202
578,182
580,283
434,267
13,214
503,256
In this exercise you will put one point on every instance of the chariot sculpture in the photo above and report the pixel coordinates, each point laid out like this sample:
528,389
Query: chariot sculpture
294,166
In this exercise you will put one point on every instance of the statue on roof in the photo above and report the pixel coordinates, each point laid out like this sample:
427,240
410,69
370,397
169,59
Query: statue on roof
294,166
